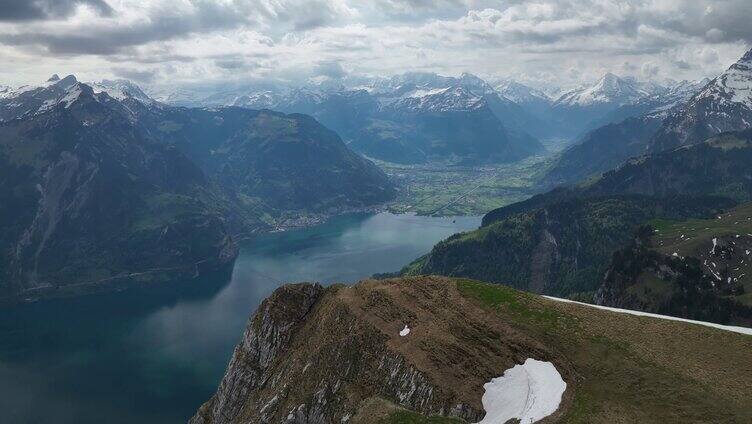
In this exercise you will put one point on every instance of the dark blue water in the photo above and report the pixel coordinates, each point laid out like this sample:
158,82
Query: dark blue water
153,356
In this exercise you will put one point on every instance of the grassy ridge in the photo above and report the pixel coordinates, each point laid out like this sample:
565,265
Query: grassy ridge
633,369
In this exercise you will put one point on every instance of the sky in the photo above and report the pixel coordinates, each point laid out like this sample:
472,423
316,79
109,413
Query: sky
175,43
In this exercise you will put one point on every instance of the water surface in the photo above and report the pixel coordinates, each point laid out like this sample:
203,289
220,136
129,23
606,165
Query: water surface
153,356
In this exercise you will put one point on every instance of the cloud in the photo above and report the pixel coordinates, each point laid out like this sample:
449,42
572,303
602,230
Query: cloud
331,69
233,39
28,10
137,75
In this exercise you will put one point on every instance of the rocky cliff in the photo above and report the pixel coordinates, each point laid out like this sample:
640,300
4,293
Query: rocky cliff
404,350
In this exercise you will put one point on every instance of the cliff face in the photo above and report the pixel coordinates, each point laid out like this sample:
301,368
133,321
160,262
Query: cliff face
314,355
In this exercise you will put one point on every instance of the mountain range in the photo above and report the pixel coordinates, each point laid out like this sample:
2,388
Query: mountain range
688,113
103,188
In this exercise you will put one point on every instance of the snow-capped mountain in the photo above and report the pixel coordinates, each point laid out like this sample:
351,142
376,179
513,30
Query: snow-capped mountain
521,93
658,105
583,108
121,89
34,99
31,99
439,100
724,104
610,90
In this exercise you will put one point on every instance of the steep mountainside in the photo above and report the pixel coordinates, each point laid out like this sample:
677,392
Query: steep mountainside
270,160
99,191
715,167
626,132
87,203
561,242
697,269
399,351
724,104
562,248
602,149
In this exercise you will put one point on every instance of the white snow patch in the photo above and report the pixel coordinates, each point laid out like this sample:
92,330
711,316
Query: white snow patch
735,329
405,331
528,392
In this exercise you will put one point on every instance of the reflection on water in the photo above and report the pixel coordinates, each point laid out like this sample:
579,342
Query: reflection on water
153,356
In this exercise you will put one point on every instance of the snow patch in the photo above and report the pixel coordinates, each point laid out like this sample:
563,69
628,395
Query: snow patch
735,329
527,392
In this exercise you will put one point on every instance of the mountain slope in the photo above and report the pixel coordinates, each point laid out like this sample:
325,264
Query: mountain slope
100,192
626,132
602,149
724,104
453,125
315,355
694,268
561,242
87,204
283,162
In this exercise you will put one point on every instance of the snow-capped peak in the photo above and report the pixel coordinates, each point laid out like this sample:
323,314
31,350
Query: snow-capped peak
120,90
440,100
734,85
520,93
609,89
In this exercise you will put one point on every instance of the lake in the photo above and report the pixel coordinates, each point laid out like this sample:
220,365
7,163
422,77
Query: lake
153,356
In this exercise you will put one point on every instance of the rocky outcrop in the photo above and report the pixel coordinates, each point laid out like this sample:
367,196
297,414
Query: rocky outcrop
312,355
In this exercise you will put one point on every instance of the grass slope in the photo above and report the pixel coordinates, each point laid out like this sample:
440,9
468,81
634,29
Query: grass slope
633,369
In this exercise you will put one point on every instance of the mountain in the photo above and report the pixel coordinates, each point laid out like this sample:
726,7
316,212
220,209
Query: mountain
29,100
696,268
438,350
631,131
100,192
602,149
724,104
562,242
450,125
530,99
269,160
658,104
89,204
396,119
581,106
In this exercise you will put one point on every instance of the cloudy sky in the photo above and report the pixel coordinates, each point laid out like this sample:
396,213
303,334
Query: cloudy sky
174,42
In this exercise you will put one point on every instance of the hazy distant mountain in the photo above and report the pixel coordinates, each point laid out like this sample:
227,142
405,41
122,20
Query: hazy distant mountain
629,134
396,119
581,106
29,100
724,104
658,104
530,99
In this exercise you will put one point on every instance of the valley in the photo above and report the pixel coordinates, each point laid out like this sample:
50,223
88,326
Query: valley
441,190
231,236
